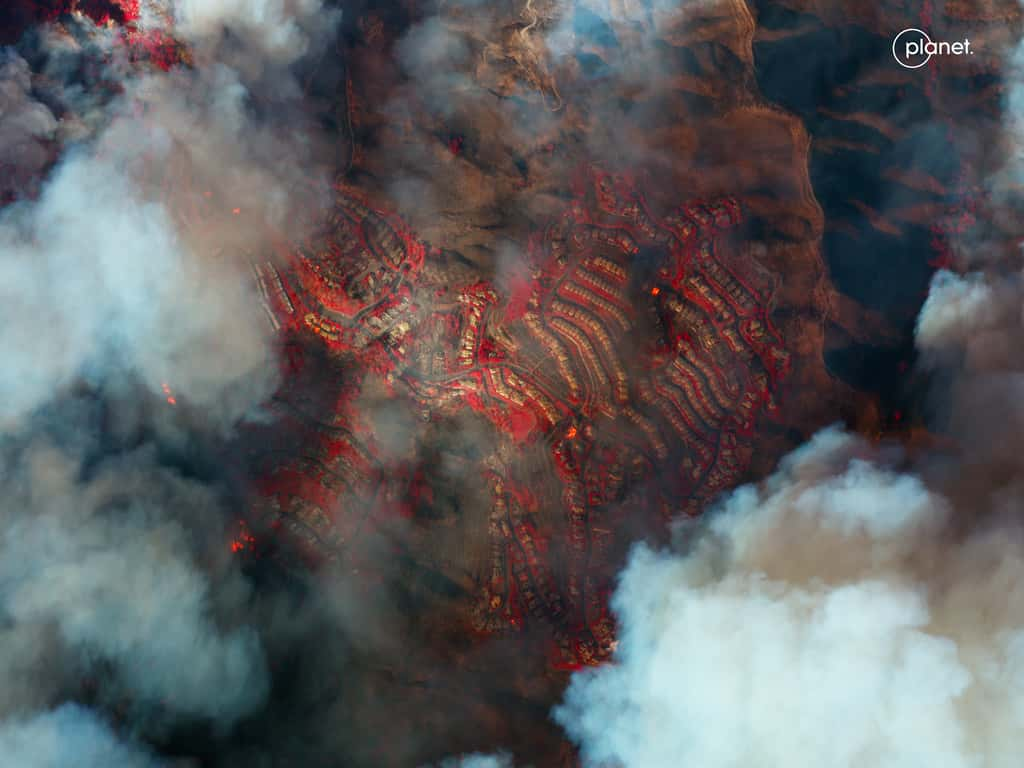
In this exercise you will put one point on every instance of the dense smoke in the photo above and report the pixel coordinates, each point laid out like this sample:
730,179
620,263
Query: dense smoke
839,591
98,280
125,284
111,269
113,574
26,126
69,735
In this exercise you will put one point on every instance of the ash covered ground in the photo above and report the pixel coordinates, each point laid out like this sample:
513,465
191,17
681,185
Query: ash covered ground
545,383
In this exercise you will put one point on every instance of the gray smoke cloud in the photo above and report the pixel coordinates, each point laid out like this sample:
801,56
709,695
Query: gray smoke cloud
96,278
26,126
108,565
281,31
67,737
126,274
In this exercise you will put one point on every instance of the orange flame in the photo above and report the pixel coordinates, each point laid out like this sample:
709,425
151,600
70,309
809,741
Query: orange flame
655,291
244,539
571,433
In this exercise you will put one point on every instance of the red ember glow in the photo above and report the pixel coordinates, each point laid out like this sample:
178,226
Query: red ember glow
243,540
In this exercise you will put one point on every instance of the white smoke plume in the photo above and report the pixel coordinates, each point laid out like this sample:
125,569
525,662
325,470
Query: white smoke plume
960,310
831,616
127,271
96,279
112,270
68,737
282,31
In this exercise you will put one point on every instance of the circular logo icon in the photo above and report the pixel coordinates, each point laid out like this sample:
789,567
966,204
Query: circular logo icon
911,48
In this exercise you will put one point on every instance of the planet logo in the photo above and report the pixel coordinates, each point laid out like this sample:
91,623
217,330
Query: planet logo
912,48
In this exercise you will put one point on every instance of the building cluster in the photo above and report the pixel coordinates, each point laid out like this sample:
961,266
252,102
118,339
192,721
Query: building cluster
638,384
